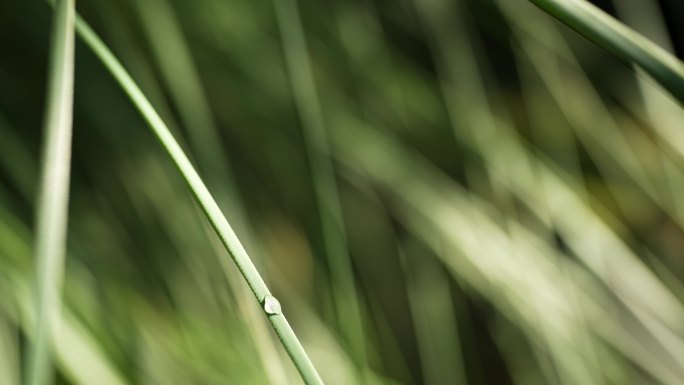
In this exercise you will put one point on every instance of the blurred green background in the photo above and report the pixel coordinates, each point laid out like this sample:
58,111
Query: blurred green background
438,191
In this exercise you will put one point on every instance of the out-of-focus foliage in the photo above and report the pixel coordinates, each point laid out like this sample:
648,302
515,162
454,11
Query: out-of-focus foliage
438,192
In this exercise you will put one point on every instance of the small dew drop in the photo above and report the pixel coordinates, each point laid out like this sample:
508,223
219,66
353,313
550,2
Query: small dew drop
271,305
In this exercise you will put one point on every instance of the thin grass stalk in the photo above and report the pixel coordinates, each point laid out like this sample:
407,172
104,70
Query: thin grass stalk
204,199
608,33
322,172
53,198
181,75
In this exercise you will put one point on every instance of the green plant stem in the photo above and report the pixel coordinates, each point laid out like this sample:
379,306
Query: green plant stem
203,198
605,31
174,58
53,198
307,102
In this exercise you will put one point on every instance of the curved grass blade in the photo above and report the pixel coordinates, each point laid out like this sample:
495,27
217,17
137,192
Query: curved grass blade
53,198
600,28
181,75
204,199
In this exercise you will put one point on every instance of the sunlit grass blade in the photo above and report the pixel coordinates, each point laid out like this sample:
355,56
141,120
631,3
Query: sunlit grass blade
600,28
204,199
52,207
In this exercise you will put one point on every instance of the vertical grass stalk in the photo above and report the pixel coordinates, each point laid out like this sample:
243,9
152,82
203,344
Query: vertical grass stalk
204,198
53,198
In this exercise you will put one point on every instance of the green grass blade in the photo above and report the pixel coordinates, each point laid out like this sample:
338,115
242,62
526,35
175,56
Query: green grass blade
51,225
204,199
180,74
322,172
600,28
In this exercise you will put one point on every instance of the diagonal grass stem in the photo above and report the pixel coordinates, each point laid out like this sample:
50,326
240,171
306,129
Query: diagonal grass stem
204,198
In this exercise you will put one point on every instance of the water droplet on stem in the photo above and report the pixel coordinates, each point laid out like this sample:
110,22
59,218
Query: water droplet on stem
271,305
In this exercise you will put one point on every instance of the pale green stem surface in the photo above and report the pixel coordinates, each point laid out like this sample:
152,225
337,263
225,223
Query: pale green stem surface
53,198
204,199
180,73
322,171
